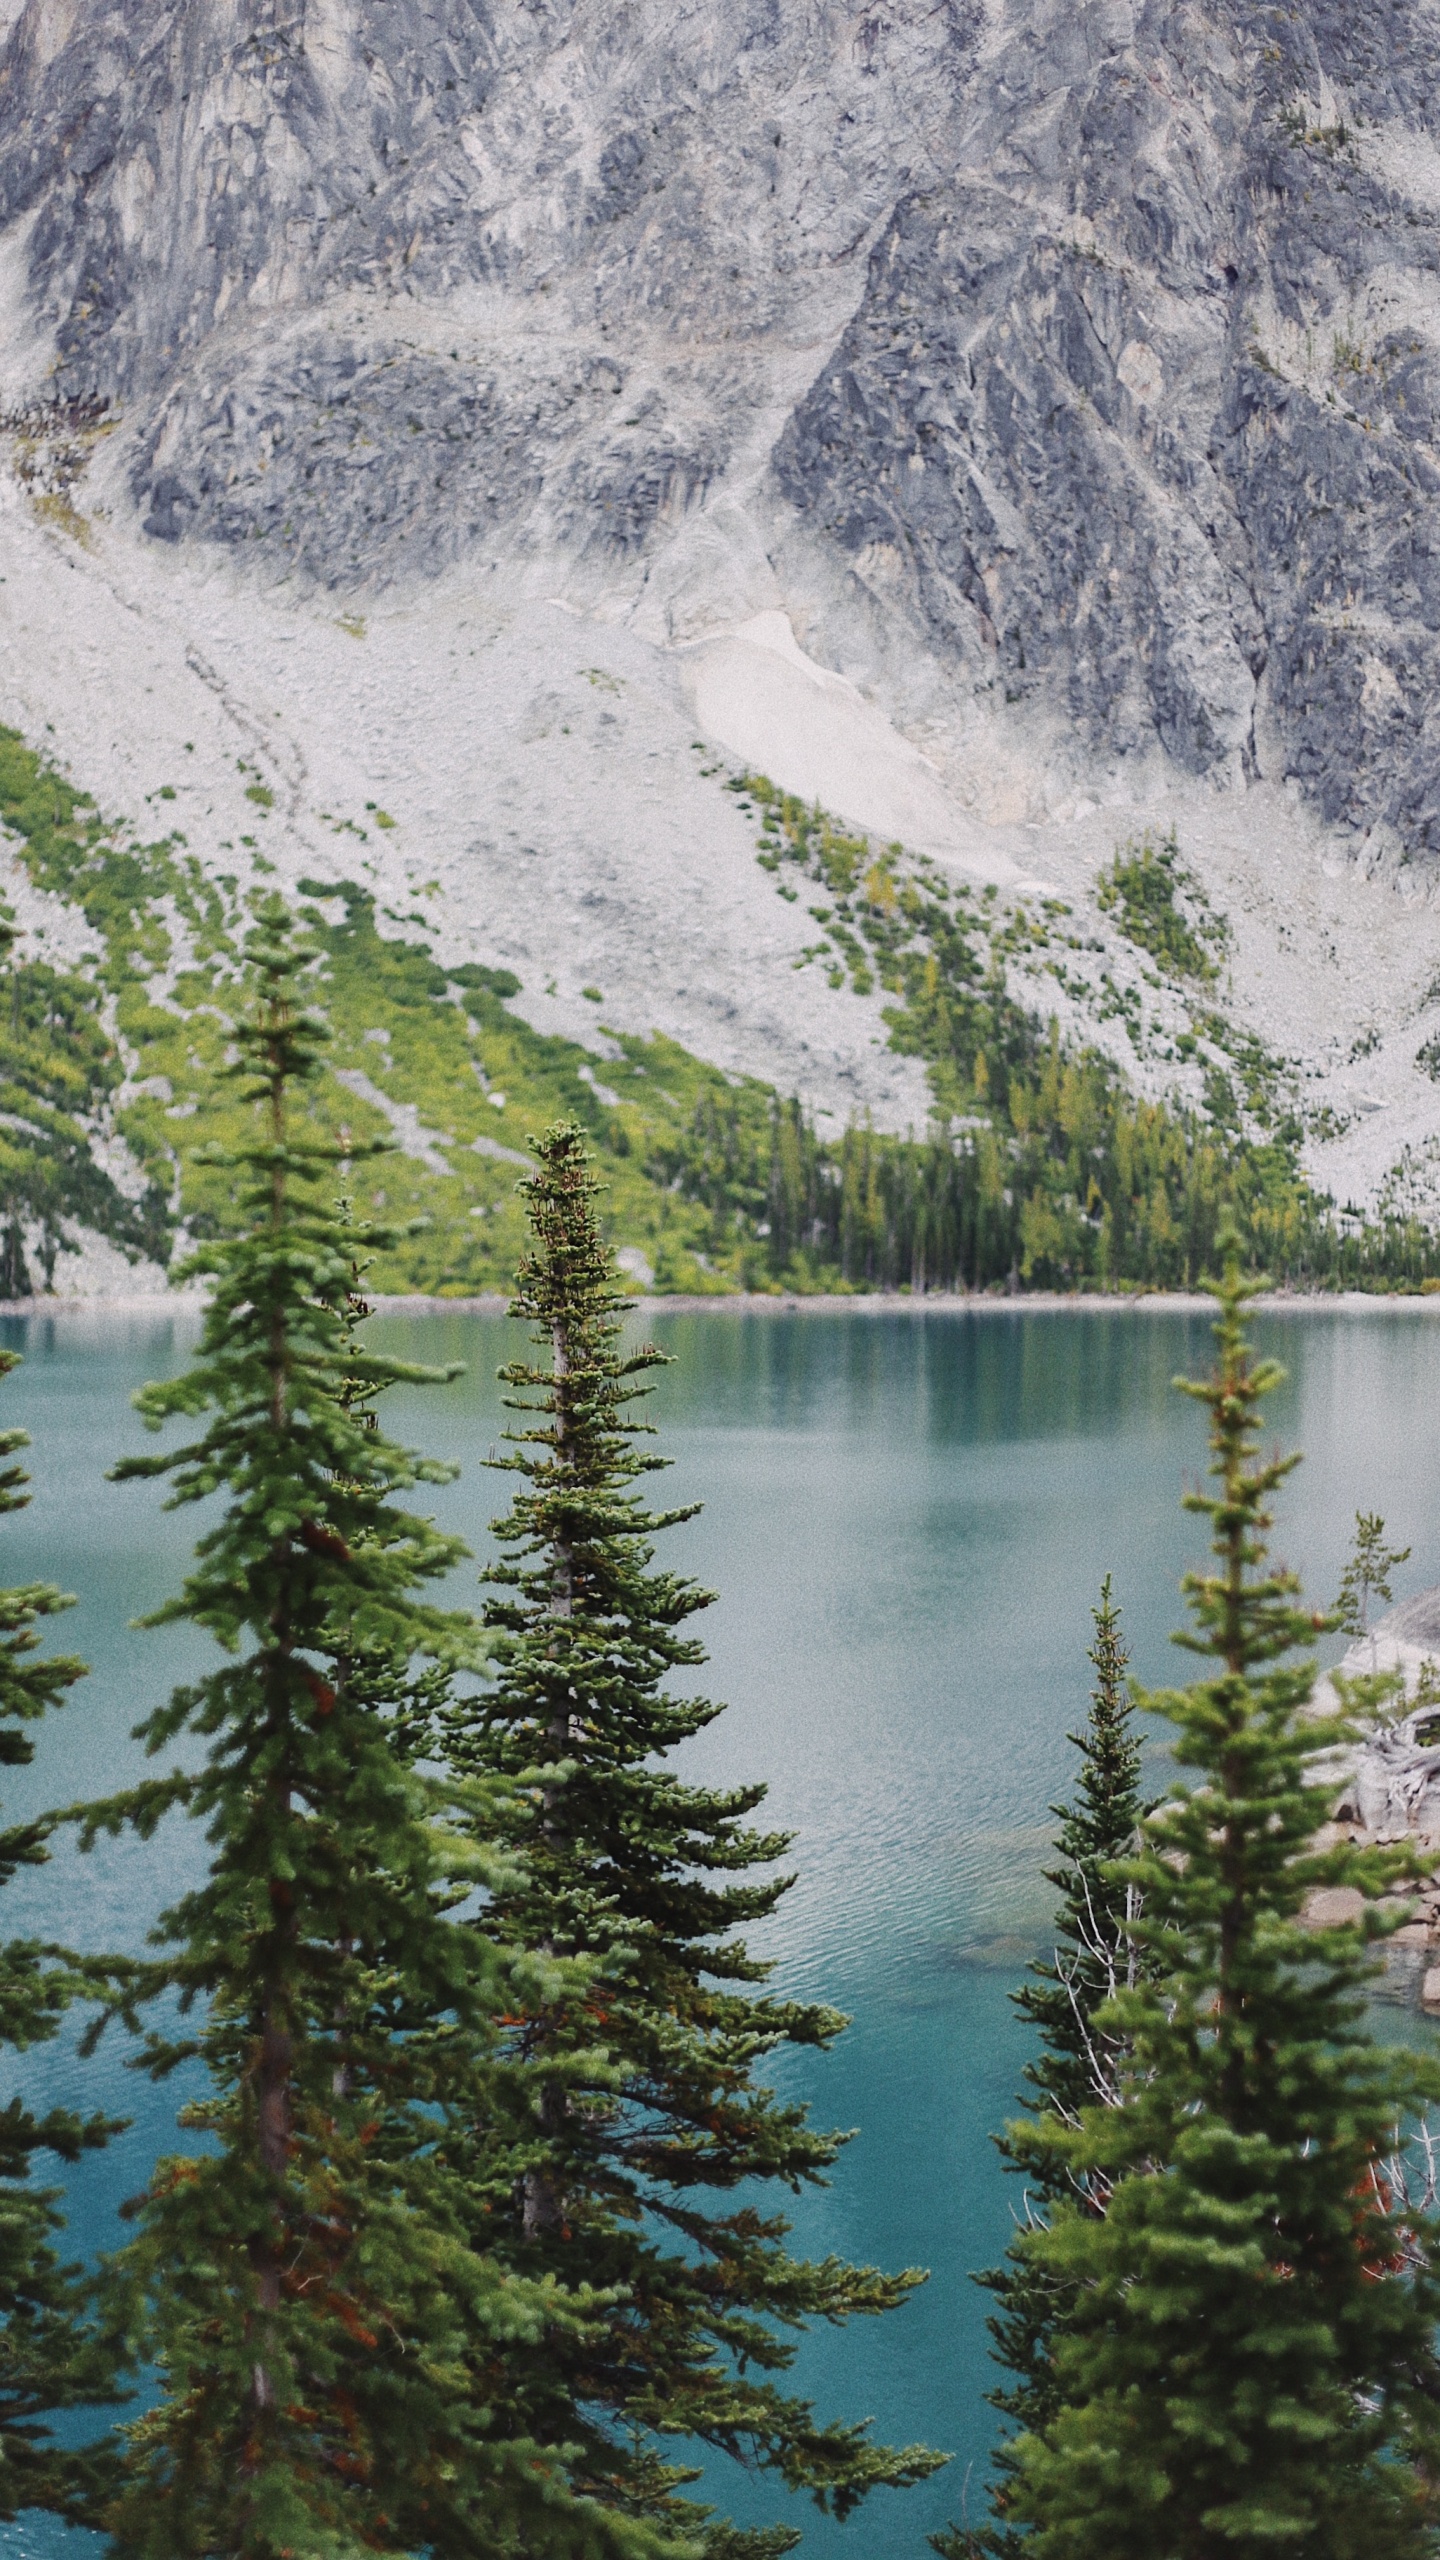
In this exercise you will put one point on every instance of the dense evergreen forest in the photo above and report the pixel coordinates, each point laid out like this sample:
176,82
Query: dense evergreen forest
1044,1167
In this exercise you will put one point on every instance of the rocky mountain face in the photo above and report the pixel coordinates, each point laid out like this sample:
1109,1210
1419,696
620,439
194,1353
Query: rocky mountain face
1086,357
374,281
1137,414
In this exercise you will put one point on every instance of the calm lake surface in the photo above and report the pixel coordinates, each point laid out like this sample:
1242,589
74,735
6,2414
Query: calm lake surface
906,1519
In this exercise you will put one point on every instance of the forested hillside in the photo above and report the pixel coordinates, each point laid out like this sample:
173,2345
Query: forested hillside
1042,1165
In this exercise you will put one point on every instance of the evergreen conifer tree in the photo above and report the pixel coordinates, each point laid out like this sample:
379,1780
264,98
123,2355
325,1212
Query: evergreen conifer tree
1097,1953
1249,2365
638,2114
1096,1950
1368,1568
50,2356
303,2279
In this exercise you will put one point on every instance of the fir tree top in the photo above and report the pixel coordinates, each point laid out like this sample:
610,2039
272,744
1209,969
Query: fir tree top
279,1372
1080,2060
1367,1574
1095,1950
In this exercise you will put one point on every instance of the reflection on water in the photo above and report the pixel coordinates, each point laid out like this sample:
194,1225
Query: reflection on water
907,1519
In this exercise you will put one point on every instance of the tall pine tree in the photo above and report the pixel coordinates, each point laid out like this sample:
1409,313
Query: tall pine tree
640,2127
50,2356
1249,2367
1080,2058
303,2276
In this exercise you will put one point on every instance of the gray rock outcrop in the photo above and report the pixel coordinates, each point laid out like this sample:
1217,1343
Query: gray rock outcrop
1392,1776
1088,355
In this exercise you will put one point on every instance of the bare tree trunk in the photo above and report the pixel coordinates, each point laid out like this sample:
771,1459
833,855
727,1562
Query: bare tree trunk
543,2206
276,2060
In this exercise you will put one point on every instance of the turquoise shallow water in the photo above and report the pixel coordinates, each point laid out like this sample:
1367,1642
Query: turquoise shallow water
906,1520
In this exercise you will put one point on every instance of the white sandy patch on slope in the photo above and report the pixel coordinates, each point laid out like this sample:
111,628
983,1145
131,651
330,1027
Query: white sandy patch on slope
757,692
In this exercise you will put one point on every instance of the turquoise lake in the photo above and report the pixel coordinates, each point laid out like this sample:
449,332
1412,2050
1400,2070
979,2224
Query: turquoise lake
907,1518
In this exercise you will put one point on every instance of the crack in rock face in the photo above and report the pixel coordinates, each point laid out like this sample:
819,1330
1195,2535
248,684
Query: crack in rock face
1091,353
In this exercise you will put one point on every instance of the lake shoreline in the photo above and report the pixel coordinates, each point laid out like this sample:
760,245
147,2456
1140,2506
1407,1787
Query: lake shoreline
877,1302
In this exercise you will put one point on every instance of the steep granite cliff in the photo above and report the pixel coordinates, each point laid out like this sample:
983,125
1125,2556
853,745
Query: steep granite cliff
1137,415
1096,348
372,281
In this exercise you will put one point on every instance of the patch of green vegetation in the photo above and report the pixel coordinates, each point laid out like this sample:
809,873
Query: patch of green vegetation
494,982
480,1080
58,1072
60,1043
1326,1124
1294,121
1160,906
